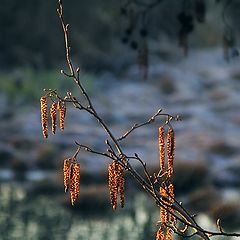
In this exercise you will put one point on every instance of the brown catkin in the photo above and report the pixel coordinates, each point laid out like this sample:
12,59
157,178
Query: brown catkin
163,211
66,173
170,150
171,198
161,148
169,234
53,113
75,183
44,116
160,234
113,183
62,114
121,183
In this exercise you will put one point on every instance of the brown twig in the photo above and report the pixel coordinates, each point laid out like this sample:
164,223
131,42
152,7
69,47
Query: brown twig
149,121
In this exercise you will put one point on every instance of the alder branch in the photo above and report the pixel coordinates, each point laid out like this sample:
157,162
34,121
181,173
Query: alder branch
115,151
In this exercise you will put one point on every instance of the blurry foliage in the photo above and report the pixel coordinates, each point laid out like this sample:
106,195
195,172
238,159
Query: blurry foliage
31,36
27,84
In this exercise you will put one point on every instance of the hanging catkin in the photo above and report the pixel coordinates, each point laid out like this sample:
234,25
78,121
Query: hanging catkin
66,173
62,114
113,183
171,199
75,182
53,113
161,148
121,183
169,233
170,150
160,234
44,116
163,211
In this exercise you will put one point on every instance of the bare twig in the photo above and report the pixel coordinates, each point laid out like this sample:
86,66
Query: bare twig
149,121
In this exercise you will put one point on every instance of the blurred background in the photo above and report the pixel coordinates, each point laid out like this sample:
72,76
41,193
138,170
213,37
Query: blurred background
135,58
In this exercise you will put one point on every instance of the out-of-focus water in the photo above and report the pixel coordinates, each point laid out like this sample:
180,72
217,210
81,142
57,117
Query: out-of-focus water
44,217
203,89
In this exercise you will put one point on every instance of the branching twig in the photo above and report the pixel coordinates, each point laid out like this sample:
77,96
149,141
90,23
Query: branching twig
88,149
149,121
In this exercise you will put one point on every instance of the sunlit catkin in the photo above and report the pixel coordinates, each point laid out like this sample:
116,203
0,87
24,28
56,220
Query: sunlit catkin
163,211
44,116
75,183
53,113
121,183
66,173
113,183
170,150
169,234
161,148
62,114
160,234
171,199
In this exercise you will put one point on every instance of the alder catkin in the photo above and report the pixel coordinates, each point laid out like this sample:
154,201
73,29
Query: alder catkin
53,113
163,211
161,148
121,183
75,183
62,114
113,183
160,234
169,234
171,199
66,173
170,150
44,116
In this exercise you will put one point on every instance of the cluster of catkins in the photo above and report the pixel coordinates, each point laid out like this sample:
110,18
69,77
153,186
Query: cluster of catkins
55,107
71,178
116,183
167,188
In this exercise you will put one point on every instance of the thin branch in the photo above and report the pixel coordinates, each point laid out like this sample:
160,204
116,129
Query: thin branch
149,121
88,149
